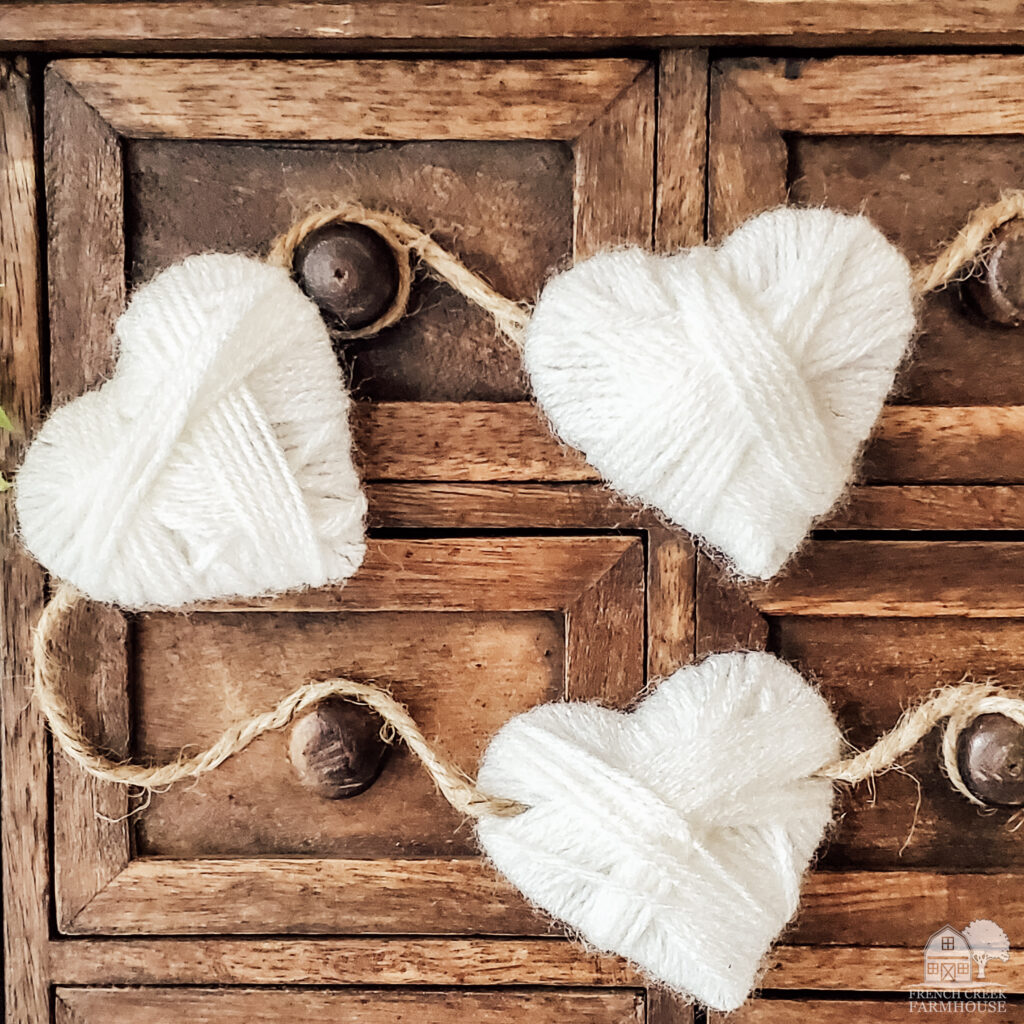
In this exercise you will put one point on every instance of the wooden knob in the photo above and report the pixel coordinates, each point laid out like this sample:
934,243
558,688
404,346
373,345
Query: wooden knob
991,760
349,271
337,750
998,294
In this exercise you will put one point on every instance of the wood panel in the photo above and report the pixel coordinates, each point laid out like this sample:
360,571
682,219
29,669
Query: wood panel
900,907
500,25
334,961
23,799
862,969
373,1006
467,506
972,579
467,574
323,100
303,895
461,675
509,441
925,94
595,583
870,670
505,207
403,961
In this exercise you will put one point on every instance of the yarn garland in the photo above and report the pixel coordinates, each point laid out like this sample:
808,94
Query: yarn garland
661,871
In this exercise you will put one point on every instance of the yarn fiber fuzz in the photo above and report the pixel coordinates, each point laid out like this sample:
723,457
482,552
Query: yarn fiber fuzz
729,387
215,462
677,835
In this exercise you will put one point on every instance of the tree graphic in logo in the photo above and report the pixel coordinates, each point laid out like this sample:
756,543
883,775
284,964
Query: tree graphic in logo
988,942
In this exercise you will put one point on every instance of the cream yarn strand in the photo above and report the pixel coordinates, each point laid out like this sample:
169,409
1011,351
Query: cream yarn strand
956,706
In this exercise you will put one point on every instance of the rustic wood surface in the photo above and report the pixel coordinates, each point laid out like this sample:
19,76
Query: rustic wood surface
927,94
481,626
878,622
460,441
373,1006
336,961
500,25
23,799
349,100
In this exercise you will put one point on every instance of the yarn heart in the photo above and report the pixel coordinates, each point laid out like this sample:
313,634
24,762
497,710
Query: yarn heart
730,388
217,459
676,835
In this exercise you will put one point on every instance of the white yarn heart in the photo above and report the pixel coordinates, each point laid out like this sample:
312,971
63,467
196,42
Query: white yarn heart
217,459
731,388
676,835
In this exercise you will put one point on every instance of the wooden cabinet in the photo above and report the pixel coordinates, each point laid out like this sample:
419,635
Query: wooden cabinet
501,573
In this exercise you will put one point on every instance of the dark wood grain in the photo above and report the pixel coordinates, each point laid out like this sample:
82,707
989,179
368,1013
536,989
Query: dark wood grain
499,25
23,803
171,1006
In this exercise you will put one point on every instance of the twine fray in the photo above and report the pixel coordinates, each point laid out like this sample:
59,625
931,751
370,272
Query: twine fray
957,705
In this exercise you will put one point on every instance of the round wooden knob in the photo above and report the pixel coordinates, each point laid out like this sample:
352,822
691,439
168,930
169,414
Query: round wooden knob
337,750
991,760
998,294
349,271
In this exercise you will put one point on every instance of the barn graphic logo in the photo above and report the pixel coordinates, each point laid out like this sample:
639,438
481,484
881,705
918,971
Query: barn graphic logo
954,957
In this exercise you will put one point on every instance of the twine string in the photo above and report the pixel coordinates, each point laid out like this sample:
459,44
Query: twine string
405,238
963,255
459,790
955,706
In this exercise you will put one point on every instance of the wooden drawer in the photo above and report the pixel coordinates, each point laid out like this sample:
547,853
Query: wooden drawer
354,1006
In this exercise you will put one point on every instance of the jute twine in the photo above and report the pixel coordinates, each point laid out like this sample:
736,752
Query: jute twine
955,706
958,260
404,238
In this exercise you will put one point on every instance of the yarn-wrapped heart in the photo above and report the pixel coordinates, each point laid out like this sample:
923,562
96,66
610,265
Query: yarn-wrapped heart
676,835
217,459
730,388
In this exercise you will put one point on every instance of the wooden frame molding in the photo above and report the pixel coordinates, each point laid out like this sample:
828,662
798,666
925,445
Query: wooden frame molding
360,1006
386,25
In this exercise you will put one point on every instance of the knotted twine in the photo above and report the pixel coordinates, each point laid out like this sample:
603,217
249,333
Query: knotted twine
956,706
